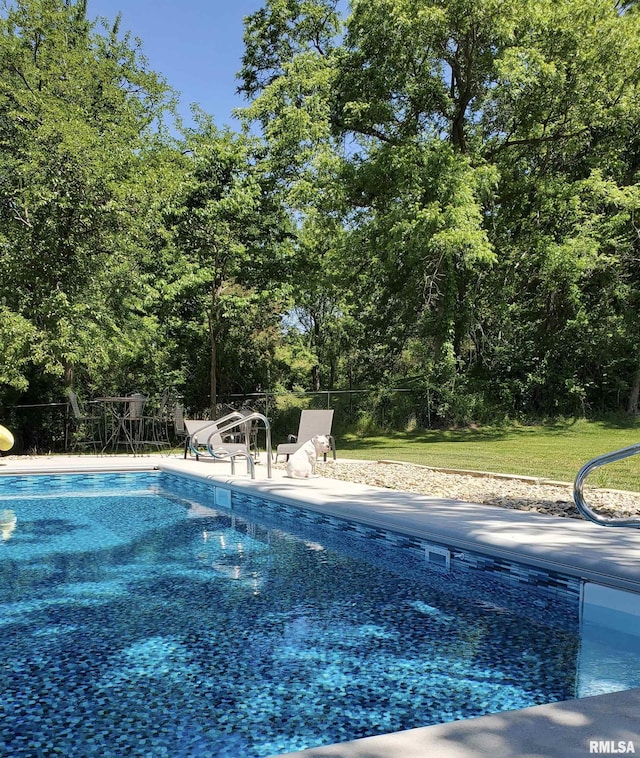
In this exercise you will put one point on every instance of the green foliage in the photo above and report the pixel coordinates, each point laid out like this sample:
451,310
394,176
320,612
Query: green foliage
74,106
17,342
444,196
480,231
227,233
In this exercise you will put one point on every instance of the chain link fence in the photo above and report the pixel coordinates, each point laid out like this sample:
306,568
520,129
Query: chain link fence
38,428
48,427
355,410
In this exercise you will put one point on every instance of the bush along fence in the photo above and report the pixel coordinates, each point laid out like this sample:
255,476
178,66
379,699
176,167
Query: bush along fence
362,410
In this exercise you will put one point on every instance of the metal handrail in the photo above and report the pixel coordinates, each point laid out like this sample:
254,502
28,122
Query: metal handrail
228,417
220,453
192,440
588,467
238,422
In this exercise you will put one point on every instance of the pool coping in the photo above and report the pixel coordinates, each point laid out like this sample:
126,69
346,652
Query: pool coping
571,547
565,729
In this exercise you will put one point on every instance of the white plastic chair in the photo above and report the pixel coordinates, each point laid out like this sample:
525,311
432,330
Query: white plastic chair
312,423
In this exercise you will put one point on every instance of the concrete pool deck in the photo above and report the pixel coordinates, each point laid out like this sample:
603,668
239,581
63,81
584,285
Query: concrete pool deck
610,556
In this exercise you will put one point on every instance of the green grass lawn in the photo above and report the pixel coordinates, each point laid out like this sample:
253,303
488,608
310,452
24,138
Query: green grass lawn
553,451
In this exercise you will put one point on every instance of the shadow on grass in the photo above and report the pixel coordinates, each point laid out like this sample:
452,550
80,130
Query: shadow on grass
620,421
472,434
386,439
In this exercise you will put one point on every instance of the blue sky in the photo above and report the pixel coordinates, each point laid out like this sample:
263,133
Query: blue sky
195,44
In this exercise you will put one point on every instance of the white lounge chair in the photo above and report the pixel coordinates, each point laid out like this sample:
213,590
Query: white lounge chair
312,423
204,440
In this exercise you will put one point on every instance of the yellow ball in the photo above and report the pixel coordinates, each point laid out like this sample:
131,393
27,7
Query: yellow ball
6,439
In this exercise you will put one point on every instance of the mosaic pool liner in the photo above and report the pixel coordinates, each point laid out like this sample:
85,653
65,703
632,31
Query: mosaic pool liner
409,548
412,548
145,655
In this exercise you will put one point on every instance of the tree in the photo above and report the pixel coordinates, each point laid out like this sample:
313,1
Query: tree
562,129
409,87
75,109
228,233
288,71
539,104
485,159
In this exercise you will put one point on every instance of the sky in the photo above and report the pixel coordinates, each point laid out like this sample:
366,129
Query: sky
195,44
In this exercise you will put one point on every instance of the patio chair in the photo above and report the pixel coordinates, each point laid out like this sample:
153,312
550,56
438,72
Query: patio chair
156,423
179,429
133,422
311,424
87,427
251,431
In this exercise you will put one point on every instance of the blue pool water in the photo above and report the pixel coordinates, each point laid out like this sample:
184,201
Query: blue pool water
137,621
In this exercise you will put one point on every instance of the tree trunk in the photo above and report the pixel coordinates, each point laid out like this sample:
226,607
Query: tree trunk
213,389
68,374
315,378
315,371
634,394
214,330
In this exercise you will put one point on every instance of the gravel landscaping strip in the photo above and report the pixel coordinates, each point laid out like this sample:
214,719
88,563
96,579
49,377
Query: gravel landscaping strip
506,492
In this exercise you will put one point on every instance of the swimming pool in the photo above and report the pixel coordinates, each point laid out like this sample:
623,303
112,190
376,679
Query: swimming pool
141,618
